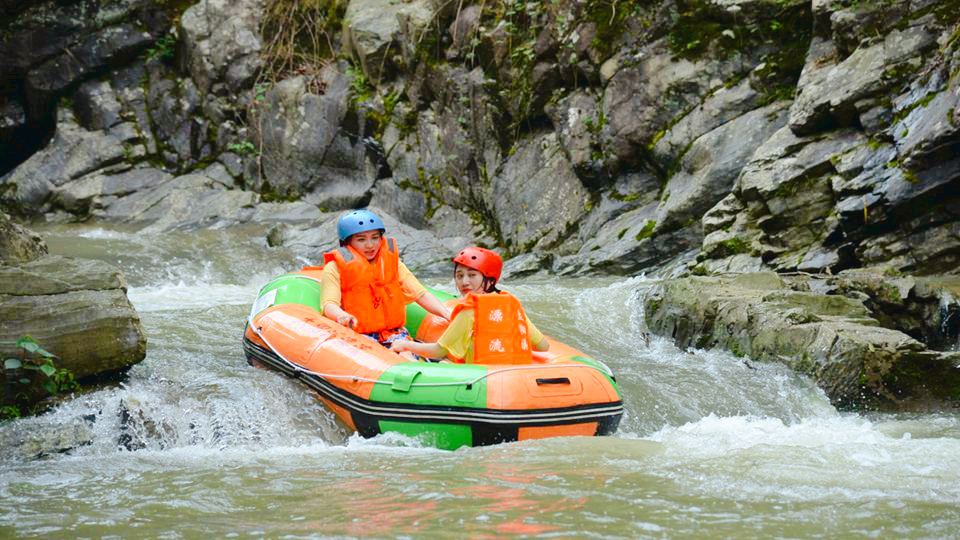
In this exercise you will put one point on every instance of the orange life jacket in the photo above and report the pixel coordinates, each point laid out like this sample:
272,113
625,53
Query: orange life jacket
500,334
370,290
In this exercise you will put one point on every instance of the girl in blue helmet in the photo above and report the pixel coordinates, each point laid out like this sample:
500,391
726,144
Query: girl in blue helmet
365,286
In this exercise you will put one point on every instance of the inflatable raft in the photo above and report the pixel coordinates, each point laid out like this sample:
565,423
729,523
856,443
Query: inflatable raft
373,390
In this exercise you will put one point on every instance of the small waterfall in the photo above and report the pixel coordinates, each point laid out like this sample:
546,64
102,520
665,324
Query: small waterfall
950,321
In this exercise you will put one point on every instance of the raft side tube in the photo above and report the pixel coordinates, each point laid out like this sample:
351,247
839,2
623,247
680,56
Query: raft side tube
455,385
288,289
416,316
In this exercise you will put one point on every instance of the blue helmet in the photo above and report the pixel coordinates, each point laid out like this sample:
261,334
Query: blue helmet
358,221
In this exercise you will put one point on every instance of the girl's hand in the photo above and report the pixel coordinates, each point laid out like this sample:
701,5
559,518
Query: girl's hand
347,320
400,345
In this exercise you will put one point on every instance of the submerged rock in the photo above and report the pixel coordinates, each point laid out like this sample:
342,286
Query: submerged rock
32,440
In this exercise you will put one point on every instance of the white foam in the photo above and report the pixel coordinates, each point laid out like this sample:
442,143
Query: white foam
106,234
182,294
844,456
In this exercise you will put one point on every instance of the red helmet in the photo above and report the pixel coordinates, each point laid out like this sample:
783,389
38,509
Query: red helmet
482,260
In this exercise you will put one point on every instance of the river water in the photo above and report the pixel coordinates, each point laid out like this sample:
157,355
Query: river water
195,441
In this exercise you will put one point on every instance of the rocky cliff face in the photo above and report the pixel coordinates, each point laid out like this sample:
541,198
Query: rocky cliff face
598,137
865,171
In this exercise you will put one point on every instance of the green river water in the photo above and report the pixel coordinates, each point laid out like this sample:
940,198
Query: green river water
196,442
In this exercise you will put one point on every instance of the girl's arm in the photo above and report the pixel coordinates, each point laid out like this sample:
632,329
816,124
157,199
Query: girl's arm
432,304
337,313
427,350
537,339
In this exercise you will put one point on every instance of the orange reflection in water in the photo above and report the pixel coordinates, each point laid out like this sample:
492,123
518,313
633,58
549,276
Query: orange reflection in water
390,512
484,500
523,511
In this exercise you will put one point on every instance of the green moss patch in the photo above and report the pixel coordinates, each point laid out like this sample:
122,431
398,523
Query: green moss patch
646,231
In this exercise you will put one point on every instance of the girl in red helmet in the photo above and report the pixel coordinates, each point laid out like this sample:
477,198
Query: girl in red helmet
487,325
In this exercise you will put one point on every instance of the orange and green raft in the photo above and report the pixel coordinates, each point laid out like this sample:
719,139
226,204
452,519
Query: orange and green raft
373,390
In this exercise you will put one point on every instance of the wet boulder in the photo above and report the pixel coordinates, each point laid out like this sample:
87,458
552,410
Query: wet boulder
196,200
286,213
92,194
832,338
306,147
76,309
221,44
537,197
72,153
29,439
19,244
926,308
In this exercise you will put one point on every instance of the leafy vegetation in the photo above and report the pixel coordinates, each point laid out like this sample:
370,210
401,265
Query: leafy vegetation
34,366
734,246
163,49
243,148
